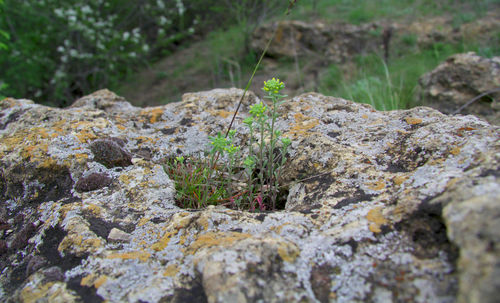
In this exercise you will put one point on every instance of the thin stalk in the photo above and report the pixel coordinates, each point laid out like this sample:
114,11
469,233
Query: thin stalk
271,155
250,80
261,156
246,88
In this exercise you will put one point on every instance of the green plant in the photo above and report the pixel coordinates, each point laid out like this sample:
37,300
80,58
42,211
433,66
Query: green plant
224,176
263,121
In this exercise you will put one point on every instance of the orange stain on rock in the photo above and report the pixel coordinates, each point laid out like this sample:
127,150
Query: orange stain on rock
413,121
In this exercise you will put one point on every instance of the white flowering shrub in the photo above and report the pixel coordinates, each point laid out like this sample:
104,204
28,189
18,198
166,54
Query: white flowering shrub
60,50
55,51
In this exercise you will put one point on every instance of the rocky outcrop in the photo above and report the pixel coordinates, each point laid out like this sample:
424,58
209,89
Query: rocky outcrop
341,42
465,84
336,42
451,30
382,206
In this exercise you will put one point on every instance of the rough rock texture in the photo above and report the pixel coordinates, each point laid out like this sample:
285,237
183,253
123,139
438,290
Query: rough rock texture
458,80
382,206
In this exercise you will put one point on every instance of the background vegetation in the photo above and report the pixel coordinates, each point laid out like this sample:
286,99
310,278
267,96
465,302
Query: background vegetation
56,51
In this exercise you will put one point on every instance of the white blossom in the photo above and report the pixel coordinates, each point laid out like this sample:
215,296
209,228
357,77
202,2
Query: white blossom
86,9
160,4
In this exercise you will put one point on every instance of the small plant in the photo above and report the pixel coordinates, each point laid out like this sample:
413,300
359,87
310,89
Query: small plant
263,121
224,176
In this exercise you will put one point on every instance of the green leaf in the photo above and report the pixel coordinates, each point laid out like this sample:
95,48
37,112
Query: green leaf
5,34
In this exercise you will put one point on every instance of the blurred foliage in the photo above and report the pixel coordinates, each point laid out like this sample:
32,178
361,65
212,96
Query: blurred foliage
4,37
60,50
56,51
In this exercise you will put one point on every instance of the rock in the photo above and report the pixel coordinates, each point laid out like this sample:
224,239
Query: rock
341,42
455,83
110,153
382,206
444,29
116,235
337,42
92,182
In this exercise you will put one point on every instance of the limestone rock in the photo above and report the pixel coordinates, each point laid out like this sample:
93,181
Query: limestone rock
460,79
382,206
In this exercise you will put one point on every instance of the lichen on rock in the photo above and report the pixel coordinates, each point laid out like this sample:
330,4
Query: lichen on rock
382,206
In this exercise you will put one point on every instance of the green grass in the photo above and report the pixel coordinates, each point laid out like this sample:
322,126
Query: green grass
359,11
392,86
225,59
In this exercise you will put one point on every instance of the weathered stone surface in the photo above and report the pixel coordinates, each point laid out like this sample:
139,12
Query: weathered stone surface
460,79
382,206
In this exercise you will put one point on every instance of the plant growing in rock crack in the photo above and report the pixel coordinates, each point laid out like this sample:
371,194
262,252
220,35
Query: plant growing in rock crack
224,176
242,184
263,121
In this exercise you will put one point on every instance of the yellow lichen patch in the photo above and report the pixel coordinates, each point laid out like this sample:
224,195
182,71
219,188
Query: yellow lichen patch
280,227
375,216
379,185
32,295
413,121
88,280
181,220
203,221
36,151
398,180
220,239
143,221
171,270
70,241
93,280
455,151
288,252
189,105
154,114
302,125
125,179
57,126
222,113
142,139
92,244
48,163
160,245
100,281
121,127
80,158
85,136
68,207
436,161
140,255
364,116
